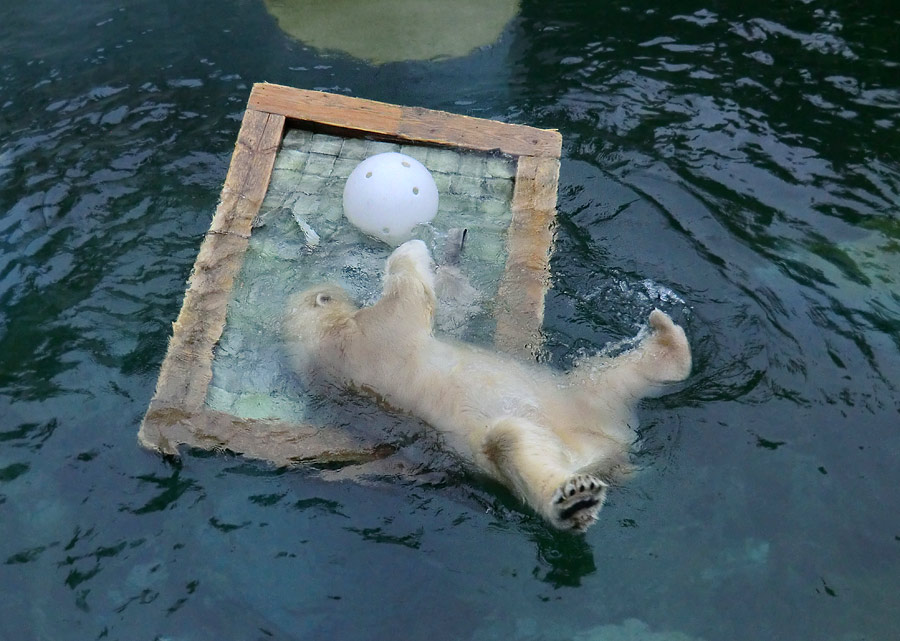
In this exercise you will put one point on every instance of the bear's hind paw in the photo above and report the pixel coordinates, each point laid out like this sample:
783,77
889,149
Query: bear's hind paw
576,503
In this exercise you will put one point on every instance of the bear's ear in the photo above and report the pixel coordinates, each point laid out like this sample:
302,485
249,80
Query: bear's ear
322,299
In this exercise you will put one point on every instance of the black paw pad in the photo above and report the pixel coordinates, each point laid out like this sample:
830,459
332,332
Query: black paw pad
577,507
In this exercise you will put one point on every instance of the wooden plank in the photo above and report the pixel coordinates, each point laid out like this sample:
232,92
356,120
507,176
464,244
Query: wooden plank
334,110
249,172
274,441
442,128
520,312
187,368
405,124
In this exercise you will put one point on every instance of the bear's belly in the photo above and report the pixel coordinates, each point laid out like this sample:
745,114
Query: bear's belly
464,390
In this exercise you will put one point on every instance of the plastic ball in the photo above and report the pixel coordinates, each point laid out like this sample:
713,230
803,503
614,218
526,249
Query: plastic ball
388,194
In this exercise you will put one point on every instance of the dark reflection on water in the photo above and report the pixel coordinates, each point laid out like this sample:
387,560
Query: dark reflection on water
735,165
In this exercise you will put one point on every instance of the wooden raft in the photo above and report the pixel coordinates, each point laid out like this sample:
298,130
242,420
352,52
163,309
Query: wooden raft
178,414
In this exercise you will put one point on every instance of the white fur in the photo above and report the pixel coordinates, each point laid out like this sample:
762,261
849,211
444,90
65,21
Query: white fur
552,437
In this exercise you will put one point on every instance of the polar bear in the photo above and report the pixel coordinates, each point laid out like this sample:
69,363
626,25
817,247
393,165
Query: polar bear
556,439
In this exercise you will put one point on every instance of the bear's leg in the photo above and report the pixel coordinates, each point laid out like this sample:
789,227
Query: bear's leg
664,356
408,289
533,461
409,273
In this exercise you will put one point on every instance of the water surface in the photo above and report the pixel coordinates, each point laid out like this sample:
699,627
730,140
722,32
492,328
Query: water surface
736,165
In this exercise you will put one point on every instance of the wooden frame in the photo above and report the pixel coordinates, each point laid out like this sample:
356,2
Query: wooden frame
178,414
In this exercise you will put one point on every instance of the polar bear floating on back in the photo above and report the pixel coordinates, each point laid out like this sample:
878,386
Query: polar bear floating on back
555,438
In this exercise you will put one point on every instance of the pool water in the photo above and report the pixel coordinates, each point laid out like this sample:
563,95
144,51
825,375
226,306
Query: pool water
736,165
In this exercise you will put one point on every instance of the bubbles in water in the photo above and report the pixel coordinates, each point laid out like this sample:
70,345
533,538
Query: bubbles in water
656,292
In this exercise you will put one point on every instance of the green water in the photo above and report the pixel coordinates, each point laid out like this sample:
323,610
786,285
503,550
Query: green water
734,164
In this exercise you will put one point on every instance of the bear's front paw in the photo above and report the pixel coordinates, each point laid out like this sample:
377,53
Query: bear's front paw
415,250
674,353
412,256
576,503
660,321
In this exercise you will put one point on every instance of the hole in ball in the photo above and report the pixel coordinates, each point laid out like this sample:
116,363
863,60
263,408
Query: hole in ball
404,163
368,174
416,191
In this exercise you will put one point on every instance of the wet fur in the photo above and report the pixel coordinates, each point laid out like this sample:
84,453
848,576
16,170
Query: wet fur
555,438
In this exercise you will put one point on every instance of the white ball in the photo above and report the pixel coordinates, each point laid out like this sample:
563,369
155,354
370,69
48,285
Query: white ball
388,194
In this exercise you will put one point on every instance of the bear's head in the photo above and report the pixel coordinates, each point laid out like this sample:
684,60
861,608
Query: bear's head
314,321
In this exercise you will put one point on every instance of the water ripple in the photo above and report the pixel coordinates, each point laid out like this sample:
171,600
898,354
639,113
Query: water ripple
757,157
736,165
